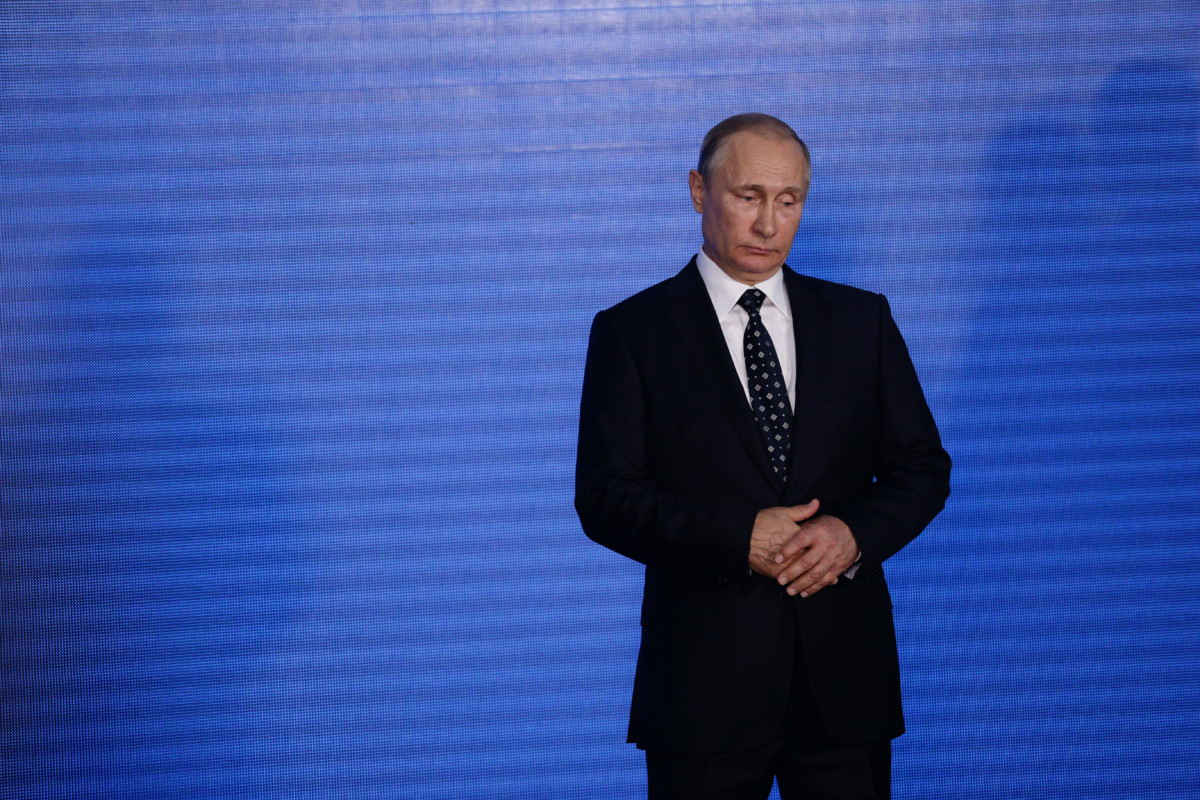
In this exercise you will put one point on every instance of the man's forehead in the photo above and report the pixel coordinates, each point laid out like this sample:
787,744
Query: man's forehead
763,164
750,148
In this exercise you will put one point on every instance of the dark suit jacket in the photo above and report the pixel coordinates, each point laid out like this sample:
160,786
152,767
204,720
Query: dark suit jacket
671,472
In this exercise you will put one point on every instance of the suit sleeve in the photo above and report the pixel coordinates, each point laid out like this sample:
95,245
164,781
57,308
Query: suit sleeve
618,502
912,473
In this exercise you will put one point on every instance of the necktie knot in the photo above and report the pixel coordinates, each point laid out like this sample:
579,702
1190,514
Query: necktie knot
752,300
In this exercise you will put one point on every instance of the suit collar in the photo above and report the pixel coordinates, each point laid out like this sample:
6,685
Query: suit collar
686,282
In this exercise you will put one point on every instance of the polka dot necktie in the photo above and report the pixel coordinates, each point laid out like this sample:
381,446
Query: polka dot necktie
768,392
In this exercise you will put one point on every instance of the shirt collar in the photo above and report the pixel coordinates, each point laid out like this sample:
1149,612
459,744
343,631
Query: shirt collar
725,291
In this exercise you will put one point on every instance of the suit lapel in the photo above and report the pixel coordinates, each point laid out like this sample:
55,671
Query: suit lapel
695,320
809,329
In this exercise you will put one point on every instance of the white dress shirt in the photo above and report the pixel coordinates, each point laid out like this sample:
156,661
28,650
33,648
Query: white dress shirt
776,314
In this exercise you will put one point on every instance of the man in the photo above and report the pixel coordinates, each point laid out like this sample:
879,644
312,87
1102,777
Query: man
759,440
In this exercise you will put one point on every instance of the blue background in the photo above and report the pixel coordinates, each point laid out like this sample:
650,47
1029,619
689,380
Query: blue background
293,313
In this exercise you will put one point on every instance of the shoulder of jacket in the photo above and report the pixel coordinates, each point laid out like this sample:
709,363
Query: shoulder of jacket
831,291
648,301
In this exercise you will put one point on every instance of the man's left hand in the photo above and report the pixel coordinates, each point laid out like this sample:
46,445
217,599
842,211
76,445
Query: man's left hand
818,553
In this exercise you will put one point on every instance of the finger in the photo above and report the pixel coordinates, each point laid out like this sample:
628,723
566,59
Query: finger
804,511
815,555
813,581
800,541
811,590
806,560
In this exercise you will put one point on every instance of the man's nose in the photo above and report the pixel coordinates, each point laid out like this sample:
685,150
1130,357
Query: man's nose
764,222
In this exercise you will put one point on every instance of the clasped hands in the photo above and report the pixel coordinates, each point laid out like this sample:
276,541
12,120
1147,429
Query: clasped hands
800,550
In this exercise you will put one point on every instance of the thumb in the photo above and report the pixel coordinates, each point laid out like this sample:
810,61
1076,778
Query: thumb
804,511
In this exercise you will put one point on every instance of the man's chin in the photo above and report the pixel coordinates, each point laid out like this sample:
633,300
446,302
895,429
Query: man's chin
763,267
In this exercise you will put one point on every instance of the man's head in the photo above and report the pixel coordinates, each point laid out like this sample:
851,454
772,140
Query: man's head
749,188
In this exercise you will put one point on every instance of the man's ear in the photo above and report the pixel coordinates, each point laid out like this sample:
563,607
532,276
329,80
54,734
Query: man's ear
696,183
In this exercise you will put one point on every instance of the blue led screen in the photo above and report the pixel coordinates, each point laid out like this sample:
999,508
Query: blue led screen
294,302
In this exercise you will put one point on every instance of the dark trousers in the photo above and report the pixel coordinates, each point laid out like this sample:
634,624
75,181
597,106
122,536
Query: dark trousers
807,764
846,773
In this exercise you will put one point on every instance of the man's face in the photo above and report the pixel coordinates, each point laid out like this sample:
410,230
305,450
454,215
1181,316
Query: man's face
751,204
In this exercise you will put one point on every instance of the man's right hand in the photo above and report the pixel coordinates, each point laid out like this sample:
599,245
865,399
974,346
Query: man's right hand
773,528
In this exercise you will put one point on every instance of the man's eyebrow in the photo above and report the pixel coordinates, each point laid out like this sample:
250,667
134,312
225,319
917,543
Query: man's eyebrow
754,187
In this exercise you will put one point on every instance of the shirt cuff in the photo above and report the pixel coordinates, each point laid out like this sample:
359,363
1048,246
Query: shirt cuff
849,573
